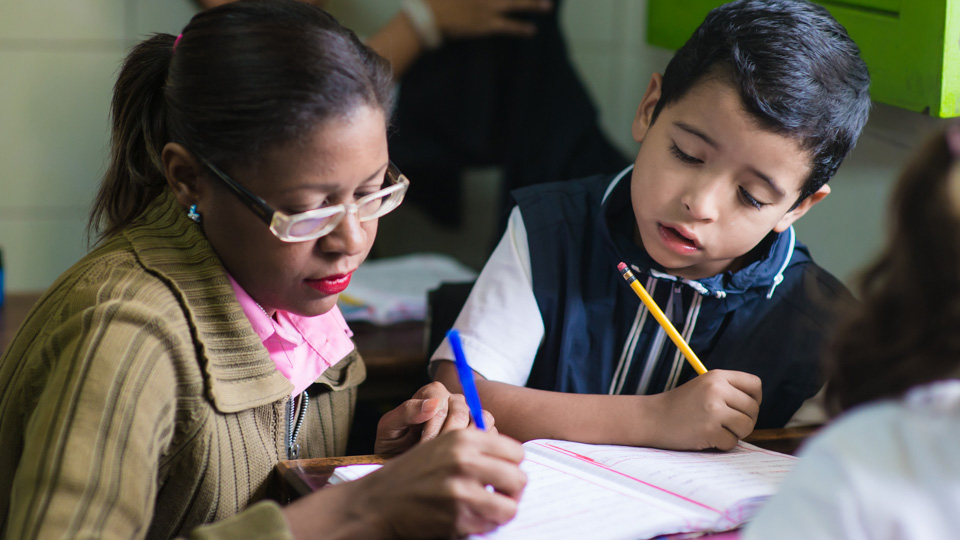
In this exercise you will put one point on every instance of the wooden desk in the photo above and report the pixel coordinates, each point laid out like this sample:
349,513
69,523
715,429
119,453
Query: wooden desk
396,359
785,440
298,477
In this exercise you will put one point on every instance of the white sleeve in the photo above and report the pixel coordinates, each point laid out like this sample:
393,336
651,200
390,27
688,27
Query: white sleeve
812,412
500,325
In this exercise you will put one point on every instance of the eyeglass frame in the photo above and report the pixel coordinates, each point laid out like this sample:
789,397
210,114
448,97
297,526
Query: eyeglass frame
281,222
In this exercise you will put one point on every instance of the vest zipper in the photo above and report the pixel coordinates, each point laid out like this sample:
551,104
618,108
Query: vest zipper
294,421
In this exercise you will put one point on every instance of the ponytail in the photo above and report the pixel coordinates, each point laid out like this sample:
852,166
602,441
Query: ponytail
135,175
245,78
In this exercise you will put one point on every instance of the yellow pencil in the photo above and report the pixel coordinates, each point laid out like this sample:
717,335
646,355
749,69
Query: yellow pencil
662,319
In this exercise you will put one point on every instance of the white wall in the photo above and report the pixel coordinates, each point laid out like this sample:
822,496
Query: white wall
59,60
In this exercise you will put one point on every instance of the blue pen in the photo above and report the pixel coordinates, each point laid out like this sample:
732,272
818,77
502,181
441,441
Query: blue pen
466,379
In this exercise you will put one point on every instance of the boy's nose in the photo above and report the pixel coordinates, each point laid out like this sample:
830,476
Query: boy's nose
702,202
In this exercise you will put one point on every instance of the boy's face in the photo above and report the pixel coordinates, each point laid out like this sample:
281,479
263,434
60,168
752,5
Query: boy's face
708,183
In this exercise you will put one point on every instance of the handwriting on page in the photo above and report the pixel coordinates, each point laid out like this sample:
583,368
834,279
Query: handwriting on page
578,490
562,502
709,478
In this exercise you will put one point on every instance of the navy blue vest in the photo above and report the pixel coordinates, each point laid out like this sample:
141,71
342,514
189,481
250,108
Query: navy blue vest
769,318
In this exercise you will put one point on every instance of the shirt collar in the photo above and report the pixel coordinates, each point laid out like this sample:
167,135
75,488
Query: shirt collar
293,328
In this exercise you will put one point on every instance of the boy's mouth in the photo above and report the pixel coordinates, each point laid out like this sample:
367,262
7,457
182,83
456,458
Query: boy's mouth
676,239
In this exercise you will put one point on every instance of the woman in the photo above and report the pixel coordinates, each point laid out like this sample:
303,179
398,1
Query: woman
154,387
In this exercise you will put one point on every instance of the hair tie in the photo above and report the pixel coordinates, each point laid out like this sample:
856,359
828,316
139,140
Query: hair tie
176,41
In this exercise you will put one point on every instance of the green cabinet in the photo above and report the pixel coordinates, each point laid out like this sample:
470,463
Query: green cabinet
912,47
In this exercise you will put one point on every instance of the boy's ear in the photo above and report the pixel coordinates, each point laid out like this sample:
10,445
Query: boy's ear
793,215
644,117
182,171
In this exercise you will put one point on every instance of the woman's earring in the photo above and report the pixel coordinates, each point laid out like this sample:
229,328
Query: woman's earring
193,214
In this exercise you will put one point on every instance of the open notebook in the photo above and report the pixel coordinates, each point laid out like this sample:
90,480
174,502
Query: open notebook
577,490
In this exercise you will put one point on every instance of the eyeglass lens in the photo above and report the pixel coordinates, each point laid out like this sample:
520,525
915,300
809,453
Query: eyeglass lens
307,226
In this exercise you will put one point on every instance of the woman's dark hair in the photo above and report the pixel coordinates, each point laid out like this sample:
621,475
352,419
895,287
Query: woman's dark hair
907,330
244,77
796,70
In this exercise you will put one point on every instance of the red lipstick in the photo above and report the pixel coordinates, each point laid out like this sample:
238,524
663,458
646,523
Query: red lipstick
331,284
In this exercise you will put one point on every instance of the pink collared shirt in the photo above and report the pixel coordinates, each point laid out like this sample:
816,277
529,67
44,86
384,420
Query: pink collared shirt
301,347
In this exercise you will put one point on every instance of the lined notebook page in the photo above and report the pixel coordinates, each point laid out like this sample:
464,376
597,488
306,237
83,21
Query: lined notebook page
603,492
578,490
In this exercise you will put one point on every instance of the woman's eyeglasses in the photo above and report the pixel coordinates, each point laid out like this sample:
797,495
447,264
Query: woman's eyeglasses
313,224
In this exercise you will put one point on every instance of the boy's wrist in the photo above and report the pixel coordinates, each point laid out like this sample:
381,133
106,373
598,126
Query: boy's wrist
643,423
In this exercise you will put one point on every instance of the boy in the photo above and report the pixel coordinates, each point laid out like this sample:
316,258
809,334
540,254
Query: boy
739,136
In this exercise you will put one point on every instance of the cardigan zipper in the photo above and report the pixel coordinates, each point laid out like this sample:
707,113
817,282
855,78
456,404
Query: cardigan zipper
294,421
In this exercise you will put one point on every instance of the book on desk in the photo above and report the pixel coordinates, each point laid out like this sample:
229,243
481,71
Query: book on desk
577,490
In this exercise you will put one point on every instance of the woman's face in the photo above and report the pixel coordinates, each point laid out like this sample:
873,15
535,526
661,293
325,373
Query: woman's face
343,160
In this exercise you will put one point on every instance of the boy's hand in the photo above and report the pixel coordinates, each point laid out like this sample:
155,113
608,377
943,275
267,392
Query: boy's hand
476,18
714,410
432,411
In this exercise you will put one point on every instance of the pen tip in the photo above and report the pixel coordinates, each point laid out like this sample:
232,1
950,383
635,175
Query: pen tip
621,266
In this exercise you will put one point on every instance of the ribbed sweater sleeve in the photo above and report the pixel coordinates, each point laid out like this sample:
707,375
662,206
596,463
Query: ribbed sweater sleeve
105,401
104,415
262,521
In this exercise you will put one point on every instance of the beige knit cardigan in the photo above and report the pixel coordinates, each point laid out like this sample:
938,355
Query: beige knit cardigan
137,402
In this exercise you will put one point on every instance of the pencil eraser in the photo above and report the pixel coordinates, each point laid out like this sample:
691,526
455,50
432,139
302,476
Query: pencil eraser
621,266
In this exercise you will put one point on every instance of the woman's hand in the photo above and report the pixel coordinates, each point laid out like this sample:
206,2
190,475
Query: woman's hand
463,482
432,411
475,18
440,488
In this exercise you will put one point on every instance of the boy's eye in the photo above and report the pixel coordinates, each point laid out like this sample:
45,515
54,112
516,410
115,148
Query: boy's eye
750,200
686,158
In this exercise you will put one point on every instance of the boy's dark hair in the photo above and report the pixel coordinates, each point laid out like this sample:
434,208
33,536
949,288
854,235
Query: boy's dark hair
243,78
796,70
904,333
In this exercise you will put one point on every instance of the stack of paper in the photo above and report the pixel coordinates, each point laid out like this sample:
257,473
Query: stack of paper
348,473
385,291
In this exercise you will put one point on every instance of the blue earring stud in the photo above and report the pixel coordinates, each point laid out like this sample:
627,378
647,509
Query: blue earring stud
193,214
